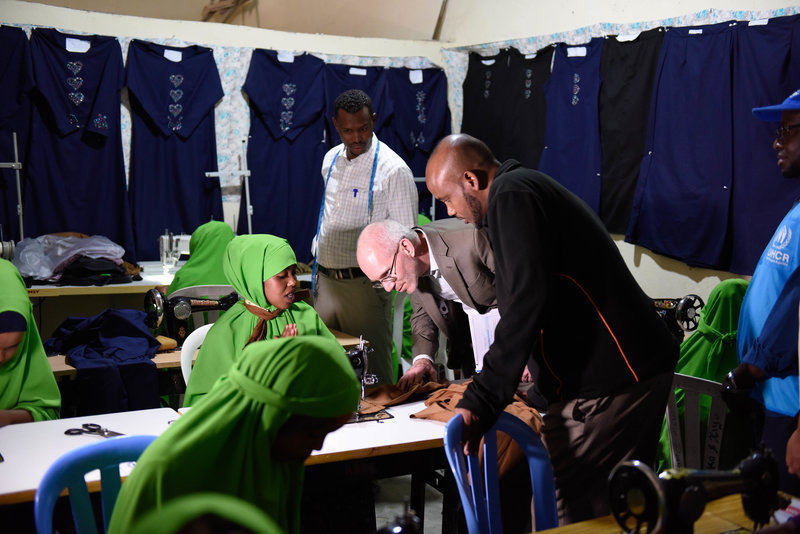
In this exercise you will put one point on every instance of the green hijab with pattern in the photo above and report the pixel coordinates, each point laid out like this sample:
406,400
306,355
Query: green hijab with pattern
248,262
206,249
224,444
26,380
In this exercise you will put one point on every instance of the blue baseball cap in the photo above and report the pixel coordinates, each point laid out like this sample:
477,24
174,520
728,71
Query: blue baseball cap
773,113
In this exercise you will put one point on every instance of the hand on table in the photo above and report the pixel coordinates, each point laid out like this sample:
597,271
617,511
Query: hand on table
422,371
290,330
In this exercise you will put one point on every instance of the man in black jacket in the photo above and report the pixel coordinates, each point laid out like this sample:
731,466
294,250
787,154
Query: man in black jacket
565,295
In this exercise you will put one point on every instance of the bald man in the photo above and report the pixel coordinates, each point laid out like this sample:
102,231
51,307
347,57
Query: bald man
605,358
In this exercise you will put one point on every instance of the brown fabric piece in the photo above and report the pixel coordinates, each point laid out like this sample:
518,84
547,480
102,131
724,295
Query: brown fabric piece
264,315
441,407
390,395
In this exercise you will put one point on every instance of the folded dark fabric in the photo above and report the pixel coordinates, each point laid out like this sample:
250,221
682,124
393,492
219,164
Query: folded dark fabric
86,271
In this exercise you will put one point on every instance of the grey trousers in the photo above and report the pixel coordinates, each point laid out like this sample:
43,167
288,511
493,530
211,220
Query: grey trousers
587,438
356,308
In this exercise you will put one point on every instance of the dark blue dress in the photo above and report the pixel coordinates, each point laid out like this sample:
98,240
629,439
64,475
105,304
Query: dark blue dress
371,80
766,69
286,147
75,170
16,82
173,141
421,119
683,195
572,134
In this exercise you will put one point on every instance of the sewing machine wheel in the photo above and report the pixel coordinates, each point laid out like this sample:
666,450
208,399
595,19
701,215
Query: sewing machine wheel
635,498
687,312
154,308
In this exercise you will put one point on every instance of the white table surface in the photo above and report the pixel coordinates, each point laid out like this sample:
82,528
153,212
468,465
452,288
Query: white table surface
377,438
152,275
30,448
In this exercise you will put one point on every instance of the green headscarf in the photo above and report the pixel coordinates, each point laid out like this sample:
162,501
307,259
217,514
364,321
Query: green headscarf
26,380
224,444
249,261
204,266
177,513
710,352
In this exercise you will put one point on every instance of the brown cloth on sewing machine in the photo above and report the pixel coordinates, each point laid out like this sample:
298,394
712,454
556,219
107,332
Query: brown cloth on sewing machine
381,397
441,407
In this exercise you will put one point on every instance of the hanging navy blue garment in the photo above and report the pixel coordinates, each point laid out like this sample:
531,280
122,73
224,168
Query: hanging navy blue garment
682,199
371,80
766,68
572,137
628,69
174,142
112,352
421,119
75,178
286,147
485,101
16,82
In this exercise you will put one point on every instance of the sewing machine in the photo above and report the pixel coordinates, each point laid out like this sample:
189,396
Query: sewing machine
680,315
171,247
358,359
673,501
175,311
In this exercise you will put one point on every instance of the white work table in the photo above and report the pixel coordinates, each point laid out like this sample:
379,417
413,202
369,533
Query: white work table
28,449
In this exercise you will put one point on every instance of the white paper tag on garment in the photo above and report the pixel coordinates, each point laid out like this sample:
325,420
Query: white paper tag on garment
530,56
488,62
415,76
173,55
697,31
355,71
627,37
77,45
285,56
576,51
759,22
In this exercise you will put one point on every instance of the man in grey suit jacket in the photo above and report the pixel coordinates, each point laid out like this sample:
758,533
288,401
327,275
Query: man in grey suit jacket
446,267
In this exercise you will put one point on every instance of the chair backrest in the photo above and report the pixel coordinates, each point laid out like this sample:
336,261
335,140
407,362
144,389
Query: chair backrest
190,345
685,447
213,291
69,471
479,488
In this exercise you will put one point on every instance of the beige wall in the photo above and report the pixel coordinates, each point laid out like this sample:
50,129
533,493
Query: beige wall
468,22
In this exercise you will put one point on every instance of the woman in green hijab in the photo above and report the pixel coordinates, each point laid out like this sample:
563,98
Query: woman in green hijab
206,249
261,268
207,513
251,434
28,389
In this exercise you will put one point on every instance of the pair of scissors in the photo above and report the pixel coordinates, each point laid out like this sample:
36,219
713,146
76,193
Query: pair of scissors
92,428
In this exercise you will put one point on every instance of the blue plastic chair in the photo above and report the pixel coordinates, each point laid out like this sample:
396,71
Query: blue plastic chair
69,472
479,489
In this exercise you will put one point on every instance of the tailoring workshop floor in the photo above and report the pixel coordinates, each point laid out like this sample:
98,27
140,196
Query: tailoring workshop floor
391,499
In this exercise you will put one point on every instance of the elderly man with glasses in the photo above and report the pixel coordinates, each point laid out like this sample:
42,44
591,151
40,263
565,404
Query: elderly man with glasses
768,325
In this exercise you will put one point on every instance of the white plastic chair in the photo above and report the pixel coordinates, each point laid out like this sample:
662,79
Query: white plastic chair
685,449
212,291
190,345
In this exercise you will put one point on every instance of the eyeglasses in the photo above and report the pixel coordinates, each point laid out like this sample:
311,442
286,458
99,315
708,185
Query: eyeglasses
784,131
378,284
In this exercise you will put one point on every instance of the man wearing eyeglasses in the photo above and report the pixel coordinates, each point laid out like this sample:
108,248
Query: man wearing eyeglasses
767,335
447,268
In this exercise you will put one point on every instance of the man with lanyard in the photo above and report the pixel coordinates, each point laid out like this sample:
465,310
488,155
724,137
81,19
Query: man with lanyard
768,323
365,181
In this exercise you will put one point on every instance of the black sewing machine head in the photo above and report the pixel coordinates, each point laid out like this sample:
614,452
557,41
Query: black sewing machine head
175,312
358,357
680,315
673,501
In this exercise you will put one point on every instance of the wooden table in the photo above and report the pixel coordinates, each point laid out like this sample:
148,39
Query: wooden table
171,359
723,515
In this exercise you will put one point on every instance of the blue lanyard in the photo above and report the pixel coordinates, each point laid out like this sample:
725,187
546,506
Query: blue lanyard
322,204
